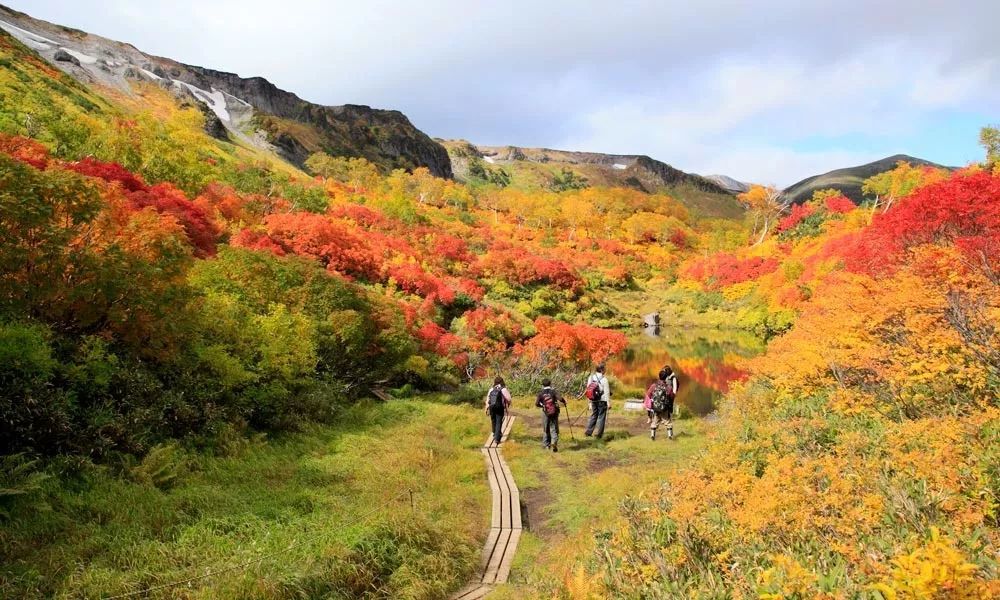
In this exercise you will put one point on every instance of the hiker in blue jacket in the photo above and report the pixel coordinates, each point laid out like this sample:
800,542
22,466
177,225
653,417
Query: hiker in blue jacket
548,400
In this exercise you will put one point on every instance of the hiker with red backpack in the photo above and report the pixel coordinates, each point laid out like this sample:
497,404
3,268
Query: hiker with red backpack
497,403
548,400
598,392
660,402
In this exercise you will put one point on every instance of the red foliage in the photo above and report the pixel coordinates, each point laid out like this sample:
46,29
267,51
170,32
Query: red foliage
333,243
452,248
798,213
839,205
413,279
25,150
519,267
579,344
680,239
362,215
108,171
166,199
724,269
255,240
221,199
492,324
963,209
434,338
470,288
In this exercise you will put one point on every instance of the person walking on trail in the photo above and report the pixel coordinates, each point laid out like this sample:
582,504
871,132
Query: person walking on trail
598,391
497,403
548,400
660,402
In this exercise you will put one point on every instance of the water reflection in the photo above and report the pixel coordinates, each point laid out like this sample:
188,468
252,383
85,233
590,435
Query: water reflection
702,359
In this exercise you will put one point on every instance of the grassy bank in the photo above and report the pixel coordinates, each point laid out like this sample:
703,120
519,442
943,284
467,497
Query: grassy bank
572,496
327,511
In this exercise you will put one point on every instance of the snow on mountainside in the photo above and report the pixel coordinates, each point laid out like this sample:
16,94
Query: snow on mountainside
733,185
248,110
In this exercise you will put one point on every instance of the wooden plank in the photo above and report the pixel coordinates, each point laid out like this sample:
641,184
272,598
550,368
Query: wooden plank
497,497
475,593
381,394
468,592
503,489
508,556
514,494
491,543
508,424
493,567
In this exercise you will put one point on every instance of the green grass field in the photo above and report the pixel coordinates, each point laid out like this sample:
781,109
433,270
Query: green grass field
572,496
323,513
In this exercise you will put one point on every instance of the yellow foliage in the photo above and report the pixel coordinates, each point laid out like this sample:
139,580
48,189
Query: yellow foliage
936,570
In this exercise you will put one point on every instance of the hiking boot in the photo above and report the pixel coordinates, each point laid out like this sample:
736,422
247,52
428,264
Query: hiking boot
555,448
652,434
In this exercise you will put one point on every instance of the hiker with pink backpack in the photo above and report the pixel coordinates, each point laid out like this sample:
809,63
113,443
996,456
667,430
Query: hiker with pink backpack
548,400
598,392
660,402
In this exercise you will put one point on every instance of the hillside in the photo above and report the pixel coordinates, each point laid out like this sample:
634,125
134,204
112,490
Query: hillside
729,184
532,169
250,111
848,180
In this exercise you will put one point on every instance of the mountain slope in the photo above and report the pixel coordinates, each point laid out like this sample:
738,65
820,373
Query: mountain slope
848,180
532,169
251,110
728,183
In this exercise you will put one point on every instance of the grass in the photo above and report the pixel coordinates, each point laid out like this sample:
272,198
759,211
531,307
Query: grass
331,503
573,495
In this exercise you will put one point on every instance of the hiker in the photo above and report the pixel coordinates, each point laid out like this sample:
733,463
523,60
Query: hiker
660,402
497,403
548,400
598,391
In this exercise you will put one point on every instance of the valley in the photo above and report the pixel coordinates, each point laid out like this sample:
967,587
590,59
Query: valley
245,341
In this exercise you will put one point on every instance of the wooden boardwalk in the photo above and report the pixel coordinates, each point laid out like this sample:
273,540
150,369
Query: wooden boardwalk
505,525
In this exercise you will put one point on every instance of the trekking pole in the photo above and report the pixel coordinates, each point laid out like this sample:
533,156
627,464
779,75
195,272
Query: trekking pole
570,423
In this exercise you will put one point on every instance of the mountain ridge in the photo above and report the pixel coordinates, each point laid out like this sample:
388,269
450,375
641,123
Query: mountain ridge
848,180
251,110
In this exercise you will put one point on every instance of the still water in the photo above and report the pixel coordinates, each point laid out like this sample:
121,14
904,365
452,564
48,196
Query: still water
704,361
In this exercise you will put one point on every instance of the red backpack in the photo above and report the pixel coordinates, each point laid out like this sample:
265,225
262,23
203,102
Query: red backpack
549,406
594,391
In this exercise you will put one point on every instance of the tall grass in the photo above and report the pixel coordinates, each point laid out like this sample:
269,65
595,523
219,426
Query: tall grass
332,506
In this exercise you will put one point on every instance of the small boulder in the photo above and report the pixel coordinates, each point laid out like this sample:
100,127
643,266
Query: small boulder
63,56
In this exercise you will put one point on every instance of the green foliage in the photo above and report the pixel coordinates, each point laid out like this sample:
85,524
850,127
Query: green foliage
989,139
566,180
162,467
20,483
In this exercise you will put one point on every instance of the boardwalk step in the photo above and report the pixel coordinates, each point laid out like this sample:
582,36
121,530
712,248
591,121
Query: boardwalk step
505,519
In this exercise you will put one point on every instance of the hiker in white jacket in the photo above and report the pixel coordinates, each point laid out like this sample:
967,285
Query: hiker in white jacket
599,404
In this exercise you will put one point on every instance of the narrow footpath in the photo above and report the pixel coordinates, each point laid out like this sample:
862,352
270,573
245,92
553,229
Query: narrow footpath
505,526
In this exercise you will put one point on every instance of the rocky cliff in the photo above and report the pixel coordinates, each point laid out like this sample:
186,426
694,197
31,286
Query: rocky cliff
249,110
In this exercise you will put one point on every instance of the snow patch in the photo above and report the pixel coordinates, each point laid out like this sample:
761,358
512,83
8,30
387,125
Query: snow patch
215,99
85,59
32,39
151,75
489,159
620,166
240,100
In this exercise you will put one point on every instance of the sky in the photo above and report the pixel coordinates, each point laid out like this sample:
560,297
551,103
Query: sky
768,92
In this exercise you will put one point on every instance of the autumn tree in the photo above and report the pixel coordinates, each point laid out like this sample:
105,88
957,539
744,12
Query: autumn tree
891,185
989,139
765,204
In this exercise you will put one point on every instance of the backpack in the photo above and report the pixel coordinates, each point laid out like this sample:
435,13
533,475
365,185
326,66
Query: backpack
549,405
496,397
661,397
594,390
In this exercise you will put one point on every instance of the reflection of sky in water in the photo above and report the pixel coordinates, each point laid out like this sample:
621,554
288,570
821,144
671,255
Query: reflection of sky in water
698,357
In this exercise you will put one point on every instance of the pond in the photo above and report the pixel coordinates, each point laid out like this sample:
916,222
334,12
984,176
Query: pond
703,360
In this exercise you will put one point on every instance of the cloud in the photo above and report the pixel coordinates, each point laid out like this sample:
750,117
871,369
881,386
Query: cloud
684,82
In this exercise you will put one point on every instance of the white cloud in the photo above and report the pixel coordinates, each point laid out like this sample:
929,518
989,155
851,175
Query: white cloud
684,82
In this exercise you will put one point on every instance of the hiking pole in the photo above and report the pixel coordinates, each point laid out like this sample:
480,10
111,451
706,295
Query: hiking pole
570,423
